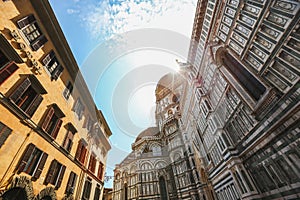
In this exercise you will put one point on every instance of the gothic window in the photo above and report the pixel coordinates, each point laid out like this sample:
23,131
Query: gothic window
32,32
28,95
52,120
4,133
32,161
52,65
7,68
55,174
71,183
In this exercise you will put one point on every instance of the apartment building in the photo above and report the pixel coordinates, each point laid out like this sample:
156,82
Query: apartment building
53,139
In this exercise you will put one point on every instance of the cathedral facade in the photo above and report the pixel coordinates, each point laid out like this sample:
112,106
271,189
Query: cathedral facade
240,106
160,165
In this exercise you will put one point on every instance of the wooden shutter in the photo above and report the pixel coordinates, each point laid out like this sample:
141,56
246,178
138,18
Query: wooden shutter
82,155
25,157
34,105
47,119
40,166
39,43
79,149
25,21
61,176
51,171
56,129
7,71
20,90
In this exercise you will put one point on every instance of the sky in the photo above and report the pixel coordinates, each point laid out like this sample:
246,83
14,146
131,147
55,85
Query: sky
123,47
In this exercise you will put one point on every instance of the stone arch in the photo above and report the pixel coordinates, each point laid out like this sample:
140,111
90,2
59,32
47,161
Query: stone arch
47,193
21,182
132,169
160,164
220,55
146,165
175,156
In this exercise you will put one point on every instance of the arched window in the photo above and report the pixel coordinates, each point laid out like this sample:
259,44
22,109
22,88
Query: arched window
163,188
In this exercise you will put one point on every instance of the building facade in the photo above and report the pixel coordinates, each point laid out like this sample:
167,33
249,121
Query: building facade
240,107
53,139
160,165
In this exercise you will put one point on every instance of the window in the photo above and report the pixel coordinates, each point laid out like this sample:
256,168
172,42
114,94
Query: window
32,162
78,108
52,65
7,68
81,151
4,133
97,192
68,90
88,124
100,170
27,95
52,120
68,141
32,32
87,189
55,174
71,183
92,163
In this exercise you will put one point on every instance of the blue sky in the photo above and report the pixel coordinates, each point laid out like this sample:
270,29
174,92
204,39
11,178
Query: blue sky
123,47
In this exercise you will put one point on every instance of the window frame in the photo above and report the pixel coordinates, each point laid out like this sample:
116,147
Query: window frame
49,61
55,174
51,122
29,21
5,131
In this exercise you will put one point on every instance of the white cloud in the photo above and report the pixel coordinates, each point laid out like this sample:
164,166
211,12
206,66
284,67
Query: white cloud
109,18
72,11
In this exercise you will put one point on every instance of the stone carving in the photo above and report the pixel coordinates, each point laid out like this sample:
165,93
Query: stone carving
277,20
285,5
22,182
47,192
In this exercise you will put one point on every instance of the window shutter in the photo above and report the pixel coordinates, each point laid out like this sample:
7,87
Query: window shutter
20,90
25,157
51,170
7,71
48,118
34,105
25,21
4,133
82,156
79,149
56,129
39,43
59,69
61,176
40,166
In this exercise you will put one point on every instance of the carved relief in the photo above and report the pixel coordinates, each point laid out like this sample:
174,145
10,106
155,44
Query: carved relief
234,3
290,59
224,28
277,19
227,20
284,71
251,9
274,34
235,47
253,62
240,39
243,30
230,11
294,44
276,81
285,5
258,52
264,42
247,20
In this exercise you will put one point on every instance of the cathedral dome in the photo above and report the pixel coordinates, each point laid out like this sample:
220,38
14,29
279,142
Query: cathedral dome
152,131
